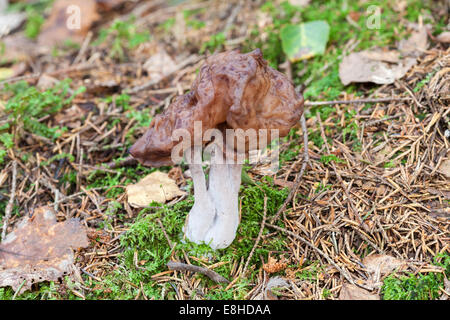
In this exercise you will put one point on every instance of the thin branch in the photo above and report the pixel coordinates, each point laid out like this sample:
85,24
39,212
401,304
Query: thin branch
323,103
128,161
173,265
9,206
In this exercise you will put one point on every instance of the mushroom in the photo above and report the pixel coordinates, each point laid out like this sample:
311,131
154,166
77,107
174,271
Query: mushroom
232,91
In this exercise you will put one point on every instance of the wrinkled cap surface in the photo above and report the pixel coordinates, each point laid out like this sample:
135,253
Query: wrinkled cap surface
232,90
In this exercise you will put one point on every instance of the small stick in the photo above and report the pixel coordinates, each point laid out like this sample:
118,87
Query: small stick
173,265
83,49
165,233
298,179
259,236
128,161
79,67
9,206
323,103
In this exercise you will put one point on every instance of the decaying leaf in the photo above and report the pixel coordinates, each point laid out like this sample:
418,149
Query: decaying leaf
367,66
305,40
444,168
444,37
382,264
46,82
157,187
9,20
17,47
384,66
69,20
6,73
353,292
299,3
159,65
416,43
40,249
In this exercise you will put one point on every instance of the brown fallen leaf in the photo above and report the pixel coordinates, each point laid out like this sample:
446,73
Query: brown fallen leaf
159,65
157,186
353,292
18,48
370,66
444,168
61,25
382,264
416,43
283,183
176,174
40,249
46,82
384,66
400,5
442,193
444,37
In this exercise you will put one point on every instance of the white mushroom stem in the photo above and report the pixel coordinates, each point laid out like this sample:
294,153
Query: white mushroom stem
214,218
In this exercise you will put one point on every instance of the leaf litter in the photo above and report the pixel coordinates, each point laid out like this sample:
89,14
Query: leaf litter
400,197
383,66
40,249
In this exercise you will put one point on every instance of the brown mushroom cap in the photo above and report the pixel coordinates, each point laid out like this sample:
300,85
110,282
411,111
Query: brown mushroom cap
232,90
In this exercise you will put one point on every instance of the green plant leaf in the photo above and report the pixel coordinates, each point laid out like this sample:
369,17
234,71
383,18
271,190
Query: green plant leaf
305,40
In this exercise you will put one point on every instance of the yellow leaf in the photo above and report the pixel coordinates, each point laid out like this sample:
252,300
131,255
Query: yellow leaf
157,187
5,73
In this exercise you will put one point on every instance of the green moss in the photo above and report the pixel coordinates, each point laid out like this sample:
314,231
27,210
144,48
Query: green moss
417,286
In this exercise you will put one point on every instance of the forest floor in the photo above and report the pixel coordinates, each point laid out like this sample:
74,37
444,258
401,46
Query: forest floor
370,217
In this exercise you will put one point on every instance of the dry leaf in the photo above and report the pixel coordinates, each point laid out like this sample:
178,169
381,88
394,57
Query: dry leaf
392,56
61,25
283,183
446,293
368,66
444,37
442,193
299,3
3,177
18,48
159,65
383,66
354,15
353,292
176,174
382,155
400,5
46,82
382,264
10,21
444,168
157,187
416,43
40,249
